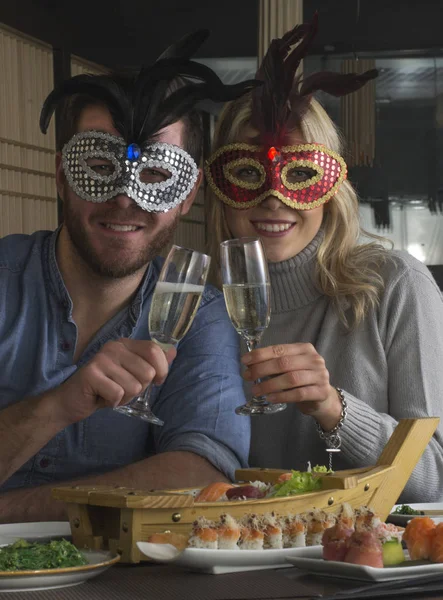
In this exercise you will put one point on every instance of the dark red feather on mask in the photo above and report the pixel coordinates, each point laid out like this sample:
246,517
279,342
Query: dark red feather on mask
336,84
280,103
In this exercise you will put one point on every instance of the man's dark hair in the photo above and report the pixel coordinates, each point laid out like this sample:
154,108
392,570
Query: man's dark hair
72,107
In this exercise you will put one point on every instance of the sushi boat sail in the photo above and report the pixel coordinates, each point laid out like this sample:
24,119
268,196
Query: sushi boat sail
115,518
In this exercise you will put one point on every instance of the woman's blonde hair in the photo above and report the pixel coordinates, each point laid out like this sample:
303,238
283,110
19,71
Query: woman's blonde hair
345,269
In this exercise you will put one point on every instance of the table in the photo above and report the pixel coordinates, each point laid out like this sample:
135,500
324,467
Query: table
163,582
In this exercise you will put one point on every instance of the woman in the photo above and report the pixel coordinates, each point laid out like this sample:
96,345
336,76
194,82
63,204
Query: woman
355,341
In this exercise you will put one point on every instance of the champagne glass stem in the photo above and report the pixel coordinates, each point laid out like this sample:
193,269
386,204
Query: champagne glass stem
141,408
252,344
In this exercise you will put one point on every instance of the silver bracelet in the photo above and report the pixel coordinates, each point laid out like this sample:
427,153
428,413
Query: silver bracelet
332,438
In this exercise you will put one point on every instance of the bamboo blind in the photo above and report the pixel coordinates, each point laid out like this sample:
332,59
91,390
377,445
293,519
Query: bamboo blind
276,17
358,116
27,179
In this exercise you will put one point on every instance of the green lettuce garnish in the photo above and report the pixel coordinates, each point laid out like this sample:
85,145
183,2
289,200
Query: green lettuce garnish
301,482
321,469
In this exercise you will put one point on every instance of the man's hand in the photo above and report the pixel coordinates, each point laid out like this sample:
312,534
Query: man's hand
121,370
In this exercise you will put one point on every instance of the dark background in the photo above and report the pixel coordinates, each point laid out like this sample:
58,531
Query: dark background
130,32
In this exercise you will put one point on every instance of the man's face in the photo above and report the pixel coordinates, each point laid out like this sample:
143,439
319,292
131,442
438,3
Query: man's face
117,238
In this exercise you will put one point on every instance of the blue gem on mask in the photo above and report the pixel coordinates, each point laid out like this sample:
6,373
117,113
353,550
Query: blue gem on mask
133,152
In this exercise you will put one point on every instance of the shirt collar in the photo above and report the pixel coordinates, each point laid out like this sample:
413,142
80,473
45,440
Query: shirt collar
59,289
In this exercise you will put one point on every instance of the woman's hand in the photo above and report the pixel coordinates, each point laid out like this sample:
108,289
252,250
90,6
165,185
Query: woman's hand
297,374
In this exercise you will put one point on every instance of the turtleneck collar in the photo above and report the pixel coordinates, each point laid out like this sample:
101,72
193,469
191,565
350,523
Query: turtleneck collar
293,282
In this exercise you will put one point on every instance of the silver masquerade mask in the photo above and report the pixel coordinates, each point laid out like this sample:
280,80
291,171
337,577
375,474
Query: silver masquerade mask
99,166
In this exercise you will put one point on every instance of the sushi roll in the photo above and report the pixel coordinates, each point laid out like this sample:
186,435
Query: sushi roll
437,544
228,533
252,534
293,531
366,519
335,540
418,536
364,548
203,534
346,516
273,536
318,521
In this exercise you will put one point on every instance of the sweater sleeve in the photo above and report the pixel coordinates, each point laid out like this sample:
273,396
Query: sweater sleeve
411,328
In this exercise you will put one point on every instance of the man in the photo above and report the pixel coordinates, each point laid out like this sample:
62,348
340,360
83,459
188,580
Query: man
74,341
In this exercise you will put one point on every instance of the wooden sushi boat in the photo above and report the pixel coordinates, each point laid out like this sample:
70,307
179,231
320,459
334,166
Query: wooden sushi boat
115,518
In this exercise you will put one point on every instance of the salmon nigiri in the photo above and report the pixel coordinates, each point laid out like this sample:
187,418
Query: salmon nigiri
213,492
418,537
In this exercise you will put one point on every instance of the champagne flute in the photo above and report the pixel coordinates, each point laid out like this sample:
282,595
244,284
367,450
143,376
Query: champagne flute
247,292
175,301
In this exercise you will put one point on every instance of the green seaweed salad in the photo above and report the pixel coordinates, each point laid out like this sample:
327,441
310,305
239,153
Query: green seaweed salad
33,556
405,509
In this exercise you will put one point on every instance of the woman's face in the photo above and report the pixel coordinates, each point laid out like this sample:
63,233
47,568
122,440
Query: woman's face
284,231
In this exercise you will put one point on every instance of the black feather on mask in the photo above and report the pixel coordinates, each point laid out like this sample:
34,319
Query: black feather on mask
140,106
279,104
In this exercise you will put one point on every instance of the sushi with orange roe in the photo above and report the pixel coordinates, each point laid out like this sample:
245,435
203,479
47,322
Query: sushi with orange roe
437,544
252,534
418,536
273,536
203,535
293,531
318,521
214,492
228,531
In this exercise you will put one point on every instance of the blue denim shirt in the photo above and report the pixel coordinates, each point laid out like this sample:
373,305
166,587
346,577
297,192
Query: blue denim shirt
37,342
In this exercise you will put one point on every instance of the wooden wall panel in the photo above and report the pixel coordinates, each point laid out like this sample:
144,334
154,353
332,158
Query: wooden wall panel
27,179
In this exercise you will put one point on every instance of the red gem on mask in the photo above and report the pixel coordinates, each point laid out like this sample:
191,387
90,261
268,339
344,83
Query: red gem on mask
273,154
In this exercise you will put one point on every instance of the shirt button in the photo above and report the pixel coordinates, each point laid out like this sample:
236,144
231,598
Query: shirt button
66,345
44,463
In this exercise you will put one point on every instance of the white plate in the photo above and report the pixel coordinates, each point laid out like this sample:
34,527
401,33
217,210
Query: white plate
435,507
313,562
230,561
16,581
34,532
46,579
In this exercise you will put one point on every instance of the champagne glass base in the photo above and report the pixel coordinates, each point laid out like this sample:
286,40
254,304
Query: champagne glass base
140,413
259,409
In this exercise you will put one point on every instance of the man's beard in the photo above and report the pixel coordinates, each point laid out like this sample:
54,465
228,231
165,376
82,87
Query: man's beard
113,265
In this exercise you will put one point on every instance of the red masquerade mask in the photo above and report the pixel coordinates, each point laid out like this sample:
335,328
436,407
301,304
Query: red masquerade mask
303,176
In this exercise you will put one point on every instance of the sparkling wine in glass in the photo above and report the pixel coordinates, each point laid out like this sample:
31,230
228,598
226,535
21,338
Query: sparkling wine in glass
174,305
247,293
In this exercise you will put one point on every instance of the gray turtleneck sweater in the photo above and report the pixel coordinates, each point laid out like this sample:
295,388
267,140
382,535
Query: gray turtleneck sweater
390,367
